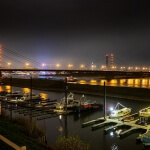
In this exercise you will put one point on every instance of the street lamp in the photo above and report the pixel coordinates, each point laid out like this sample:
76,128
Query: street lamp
43,65
8,64
70,66
103,67
82,66
27,64
58,65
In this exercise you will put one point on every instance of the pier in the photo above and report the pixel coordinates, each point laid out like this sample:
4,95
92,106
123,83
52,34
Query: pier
116,123
93,122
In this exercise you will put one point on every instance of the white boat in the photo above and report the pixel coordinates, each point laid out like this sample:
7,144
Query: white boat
119,112
71,102
71,79
16,100
145,138
28,96
144,112
24,97
59,110
13,95
76,104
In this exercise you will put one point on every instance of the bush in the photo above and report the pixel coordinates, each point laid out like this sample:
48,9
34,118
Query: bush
71,142
31,128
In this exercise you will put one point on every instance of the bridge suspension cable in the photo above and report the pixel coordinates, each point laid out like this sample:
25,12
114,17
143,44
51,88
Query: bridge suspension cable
17,58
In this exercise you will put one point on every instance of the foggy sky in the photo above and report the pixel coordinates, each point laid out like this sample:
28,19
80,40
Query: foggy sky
77,31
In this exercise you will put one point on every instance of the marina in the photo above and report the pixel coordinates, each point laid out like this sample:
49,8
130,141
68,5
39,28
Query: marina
82,123
78,69
129,126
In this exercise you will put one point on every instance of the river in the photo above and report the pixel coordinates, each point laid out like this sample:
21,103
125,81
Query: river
97,139
133,82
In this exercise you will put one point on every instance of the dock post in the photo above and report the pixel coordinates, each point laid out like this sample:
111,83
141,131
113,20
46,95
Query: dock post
29,102
104,101
10,111
30,86
66,89
10,84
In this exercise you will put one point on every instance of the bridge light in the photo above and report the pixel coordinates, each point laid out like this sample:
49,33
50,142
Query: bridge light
103,67
70,66
9,64
82,66
58,65
43,65
27,64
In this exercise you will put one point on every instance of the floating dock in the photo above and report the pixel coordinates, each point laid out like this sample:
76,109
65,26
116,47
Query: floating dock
113,127
93,122
106,122
131,125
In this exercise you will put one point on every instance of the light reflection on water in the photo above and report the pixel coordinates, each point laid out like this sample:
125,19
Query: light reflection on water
137,82
26,90
98,140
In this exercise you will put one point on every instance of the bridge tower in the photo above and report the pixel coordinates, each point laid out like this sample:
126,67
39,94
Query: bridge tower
111,61
0,56
106,62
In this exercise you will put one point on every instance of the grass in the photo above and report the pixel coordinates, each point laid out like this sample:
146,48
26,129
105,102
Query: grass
71,142
21,134
24,133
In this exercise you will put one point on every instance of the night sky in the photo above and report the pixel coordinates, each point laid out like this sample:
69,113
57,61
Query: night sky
77,31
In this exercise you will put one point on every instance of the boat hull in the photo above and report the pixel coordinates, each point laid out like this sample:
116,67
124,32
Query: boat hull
120,113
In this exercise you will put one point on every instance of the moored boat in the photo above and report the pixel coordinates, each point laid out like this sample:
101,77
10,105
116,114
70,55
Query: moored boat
120,112
128,118
144,112
88,104
71,79
72,103
25,97
13,95
29,96
145,138
77,104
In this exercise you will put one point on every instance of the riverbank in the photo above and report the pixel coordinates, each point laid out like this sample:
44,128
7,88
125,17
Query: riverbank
16,133
142,94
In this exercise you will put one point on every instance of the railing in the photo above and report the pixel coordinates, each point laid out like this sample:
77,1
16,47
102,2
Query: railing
10,143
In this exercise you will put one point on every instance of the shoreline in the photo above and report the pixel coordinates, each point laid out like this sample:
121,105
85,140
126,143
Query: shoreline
140,94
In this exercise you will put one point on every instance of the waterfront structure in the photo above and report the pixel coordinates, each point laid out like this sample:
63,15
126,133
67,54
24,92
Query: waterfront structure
106,62
111,61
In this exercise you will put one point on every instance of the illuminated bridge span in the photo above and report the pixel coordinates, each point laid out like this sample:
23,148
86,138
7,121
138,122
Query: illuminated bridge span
99,66
86,73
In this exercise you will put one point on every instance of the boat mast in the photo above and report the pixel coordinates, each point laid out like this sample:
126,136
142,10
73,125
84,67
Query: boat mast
10,84
66,88
66,127
104,101
30,86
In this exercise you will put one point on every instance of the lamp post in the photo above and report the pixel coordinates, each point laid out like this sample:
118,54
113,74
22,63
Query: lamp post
58,66
82,66
70,66
27,65
43,65
8,65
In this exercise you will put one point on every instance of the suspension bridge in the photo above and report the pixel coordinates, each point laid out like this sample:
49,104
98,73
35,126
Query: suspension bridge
112,67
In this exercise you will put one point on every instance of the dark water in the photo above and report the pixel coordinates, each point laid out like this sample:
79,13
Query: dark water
133,82
97,139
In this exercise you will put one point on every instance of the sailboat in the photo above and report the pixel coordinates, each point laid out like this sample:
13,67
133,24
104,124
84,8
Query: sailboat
120,111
